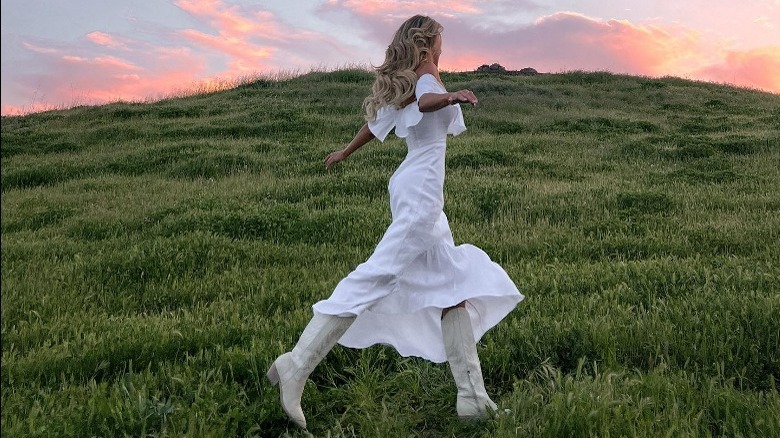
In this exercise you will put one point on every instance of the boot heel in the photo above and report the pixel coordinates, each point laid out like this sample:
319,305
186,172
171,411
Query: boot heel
273,375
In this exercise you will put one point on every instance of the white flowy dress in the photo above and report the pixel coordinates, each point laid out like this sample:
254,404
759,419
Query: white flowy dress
416,269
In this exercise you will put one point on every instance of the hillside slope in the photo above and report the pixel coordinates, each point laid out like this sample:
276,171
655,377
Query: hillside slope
156,257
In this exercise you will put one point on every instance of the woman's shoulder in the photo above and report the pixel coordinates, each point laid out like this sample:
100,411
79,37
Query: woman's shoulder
427,68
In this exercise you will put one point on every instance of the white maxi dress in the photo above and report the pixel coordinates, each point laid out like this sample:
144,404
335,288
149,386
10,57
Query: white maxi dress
416,269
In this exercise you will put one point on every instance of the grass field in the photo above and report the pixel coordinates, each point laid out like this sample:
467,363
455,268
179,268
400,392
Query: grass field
156,257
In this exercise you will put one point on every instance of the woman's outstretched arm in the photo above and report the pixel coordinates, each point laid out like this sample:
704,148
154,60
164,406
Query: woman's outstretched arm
436,101
363,136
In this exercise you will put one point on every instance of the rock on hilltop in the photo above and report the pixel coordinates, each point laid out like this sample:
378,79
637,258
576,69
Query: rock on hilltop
499,69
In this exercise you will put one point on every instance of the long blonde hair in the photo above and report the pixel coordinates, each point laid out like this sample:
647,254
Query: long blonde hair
396,77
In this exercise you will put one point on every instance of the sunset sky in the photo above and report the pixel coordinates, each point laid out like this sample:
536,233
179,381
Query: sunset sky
60,53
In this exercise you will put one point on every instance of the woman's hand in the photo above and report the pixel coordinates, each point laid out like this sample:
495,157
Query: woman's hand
463,96
333,158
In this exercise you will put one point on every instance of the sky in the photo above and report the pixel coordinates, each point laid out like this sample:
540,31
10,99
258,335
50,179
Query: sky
59,54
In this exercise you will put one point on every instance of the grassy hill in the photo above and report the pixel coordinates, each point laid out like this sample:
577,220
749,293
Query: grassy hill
156,257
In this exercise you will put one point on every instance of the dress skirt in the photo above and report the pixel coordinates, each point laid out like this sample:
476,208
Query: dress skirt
416,269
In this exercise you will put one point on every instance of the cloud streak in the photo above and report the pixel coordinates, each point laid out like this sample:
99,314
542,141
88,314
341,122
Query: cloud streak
227,42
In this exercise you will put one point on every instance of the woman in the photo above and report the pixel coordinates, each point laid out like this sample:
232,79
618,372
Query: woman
418,291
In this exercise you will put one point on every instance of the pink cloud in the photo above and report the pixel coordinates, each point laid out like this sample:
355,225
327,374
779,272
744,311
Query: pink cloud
111,62
231,20
237,49
758,68
104,39
765,22
255,40
36,48
571,41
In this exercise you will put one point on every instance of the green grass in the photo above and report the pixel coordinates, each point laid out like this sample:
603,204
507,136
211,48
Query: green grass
157,257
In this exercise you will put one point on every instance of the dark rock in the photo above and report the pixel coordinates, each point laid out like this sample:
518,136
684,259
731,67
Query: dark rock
528,71
492,68
496,68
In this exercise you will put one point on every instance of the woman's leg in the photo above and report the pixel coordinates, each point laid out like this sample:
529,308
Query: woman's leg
291,369
473,401
461,305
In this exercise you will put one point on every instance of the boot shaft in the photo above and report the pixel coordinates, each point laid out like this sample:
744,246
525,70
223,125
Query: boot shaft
460,346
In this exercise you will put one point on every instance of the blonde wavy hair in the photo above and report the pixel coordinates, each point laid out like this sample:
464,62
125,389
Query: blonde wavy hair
396,77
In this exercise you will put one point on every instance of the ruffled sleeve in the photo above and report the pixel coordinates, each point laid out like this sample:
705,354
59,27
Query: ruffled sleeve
457,125
383,123
389,117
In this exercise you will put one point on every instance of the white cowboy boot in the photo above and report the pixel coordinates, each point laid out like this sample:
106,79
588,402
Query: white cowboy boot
290,370
473,401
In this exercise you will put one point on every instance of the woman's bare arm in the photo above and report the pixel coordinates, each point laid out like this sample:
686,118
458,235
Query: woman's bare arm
436,101
363,136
